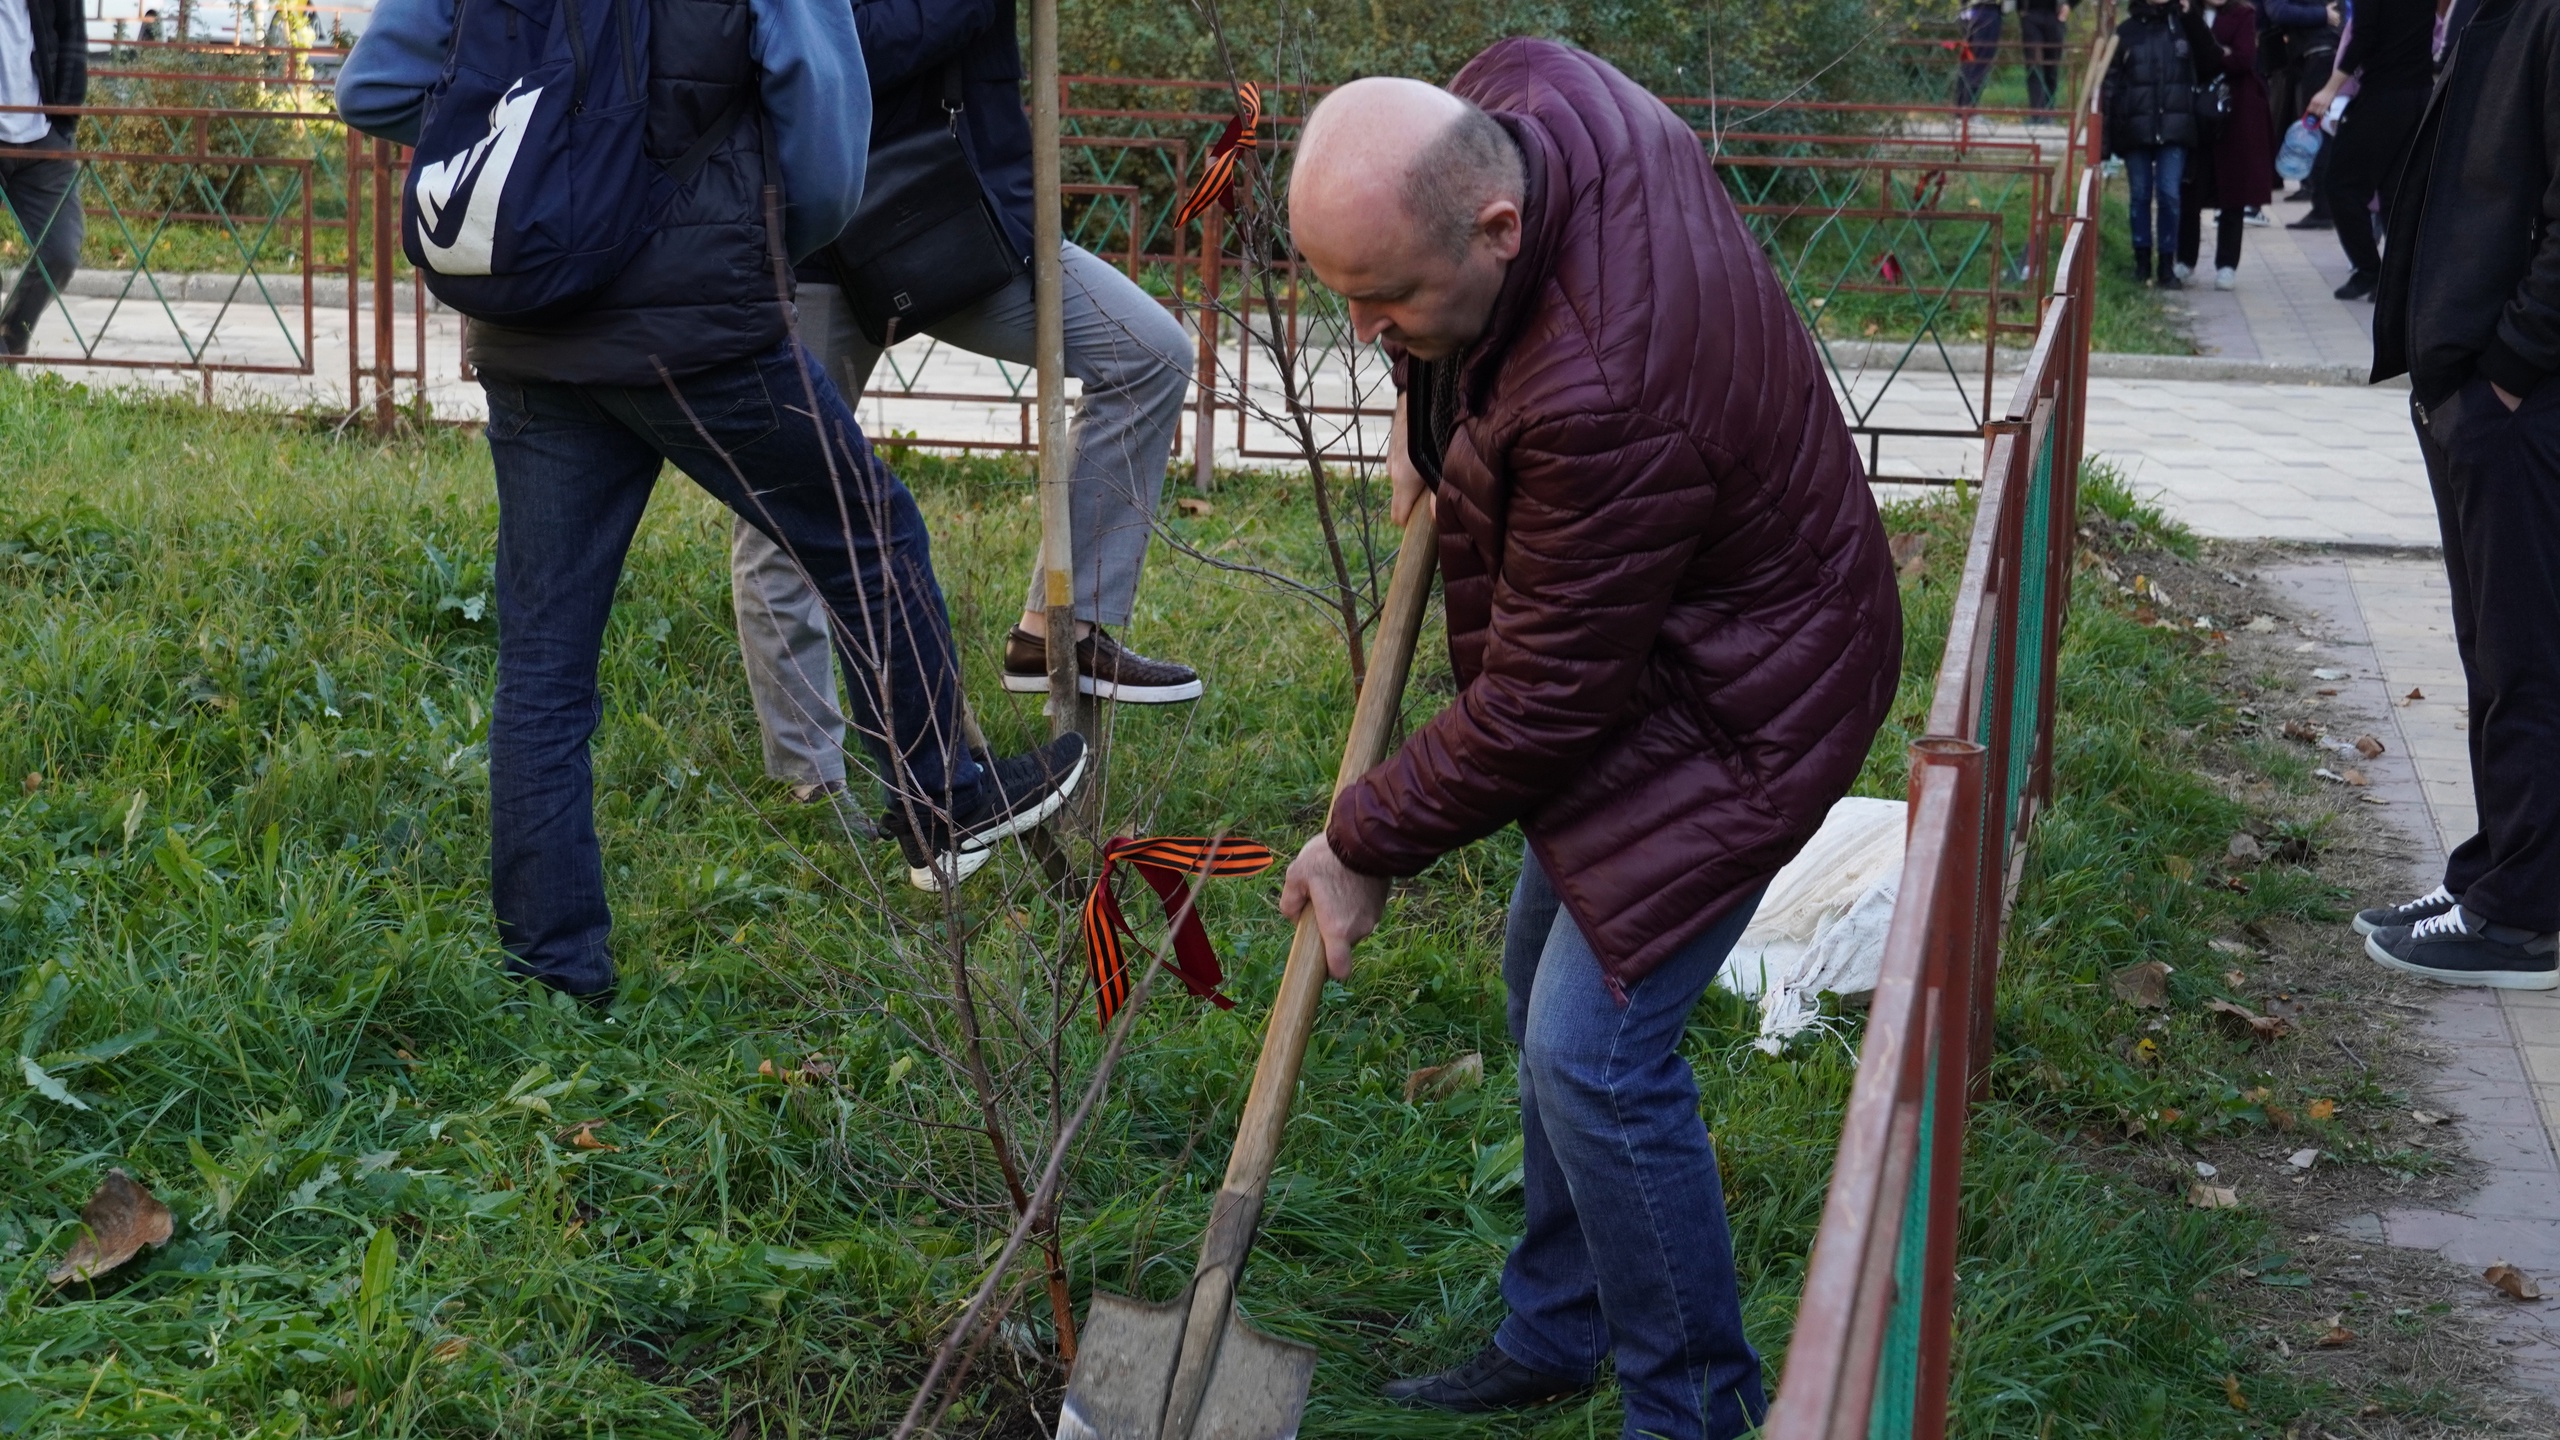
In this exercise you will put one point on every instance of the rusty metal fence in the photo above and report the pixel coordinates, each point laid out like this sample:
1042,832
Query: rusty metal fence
1914,239
1874,1334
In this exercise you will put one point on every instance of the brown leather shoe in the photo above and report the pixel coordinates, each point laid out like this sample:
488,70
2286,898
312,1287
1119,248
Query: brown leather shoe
1105,670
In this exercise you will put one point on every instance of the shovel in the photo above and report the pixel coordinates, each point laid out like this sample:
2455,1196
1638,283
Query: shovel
1191,1369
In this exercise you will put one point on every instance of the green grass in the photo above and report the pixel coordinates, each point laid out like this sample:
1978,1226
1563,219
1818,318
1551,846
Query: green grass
243,926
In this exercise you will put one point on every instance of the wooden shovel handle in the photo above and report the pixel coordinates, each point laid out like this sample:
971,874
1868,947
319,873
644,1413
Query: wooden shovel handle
1373,721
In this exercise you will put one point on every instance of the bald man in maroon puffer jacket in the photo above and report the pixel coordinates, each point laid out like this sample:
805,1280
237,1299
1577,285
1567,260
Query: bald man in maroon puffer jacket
1675,629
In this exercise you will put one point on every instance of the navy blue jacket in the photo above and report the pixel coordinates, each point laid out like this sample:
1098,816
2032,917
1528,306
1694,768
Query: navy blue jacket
700,291
907,44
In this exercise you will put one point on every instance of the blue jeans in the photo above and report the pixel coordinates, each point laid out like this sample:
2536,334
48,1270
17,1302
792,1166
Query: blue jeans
1626,1250
2154,172
575,465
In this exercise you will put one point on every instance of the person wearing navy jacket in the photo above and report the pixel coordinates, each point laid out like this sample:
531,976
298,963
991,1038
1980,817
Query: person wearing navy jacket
687,356
1132,358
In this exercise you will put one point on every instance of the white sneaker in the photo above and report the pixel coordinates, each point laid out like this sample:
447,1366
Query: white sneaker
2185,271
2255,216
2226,278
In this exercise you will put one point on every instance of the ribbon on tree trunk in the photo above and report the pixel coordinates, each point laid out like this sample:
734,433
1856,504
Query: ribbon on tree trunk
1219,179
1165,862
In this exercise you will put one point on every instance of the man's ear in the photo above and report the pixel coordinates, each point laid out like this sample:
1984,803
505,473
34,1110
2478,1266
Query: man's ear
1498,223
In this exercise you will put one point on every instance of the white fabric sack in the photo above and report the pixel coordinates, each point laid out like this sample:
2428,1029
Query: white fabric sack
1822,924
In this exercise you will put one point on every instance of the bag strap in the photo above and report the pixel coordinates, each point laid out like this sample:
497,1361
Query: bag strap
952,103
685,166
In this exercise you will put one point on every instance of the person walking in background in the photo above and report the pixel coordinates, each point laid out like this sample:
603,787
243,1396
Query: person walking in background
1132,358
2297,50
2230,171
2043,26
44,60
2388,52
1981,24
2468,307
2163,49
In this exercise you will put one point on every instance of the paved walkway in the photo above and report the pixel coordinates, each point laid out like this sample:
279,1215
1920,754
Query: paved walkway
2244,459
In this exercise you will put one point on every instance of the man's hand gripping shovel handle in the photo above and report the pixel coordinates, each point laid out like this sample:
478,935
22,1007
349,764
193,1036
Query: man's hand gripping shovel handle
1293,1013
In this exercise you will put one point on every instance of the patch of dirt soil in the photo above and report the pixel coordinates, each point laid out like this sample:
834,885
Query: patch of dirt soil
2410,1337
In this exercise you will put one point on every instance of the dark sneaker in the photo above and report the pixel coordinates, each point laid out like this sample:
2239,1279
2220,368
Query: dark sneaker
2141,267
2359,286
1105,670
832,793
1016,793
2459,949
1489,1382
2408,912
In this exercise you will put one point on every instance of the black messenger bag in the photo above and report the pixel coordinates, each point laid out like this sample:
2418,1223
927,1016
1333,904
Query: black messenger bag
926,244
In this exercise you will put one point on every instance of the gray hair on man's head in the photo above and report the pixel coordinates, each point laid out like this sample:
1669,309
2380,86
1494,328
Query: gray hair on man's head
1469,165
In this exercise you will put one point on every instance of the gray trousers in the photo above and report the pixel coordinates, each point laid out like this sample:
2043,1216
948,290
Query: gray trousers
1134,362
43,197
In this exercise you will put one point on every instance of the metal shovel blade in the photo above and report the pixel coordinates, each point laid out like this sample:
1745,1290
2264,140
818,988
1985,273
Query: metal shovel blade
1124,1367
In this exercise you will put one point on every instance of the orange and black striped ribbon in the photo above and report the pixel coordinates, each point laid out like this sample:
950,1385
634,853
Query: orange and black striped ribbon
1218,181
1165,862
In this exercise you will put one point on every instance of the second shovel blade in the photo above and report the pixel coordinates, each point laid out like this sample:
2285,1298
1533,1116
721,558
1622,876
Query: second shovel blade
1124,1367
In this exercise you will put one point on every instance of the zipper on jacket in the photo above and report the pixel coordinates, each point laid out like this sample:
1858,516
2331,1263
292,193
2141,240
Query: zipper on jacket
577,59
630,70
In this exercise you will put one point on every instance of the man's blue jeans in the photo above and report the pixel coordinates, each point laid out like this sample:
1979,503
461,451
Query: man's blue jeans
1626,1250
575,465
2154,172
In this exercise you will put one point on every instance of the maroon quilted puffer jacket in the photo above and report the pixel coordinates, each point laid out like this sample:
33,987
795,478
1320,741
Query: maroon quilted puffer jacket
1671,610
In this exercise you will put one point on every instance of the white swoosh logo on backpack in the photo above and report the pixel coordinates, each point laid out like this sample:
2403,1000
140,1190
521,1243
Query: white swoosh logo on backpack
484,169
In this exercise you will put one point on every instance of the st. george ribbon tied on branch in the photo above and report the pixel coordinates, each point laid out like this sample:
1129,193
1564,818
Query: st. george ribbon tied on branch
1164,862
1219,181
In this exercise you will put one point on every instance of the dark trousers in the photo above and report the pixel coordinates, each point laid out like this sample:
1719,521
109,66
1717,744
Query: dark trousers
2226,233
43,197
2153,176
1981,46
1626,1254
2496,476
2369,144
2041,33
575,465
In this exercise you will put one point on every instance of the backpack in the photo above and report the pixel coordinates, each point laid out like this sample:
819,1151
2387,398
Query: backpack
529,190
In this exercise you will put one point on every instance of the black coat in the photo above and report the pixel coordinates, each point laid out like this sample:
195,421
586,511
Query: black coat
2149,95
908,44
2471,277
61,56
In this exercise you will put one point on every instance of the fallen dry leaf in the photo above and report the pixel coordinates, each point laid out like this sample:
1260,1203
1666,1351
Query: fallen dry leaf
2231,1392
2355,777
1432,1082
2212,1197
34,781
2302,730
449,1350
2338,1336
2245,1022
2368,747
2231,947
1910,552
2281,1118
118,1223
2146,1051
2303,1159
1194,506
2234,979
2373,799
582,1136
2245,847
2428,1117
2323,1110
2511,1282
2413,697
2144,986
